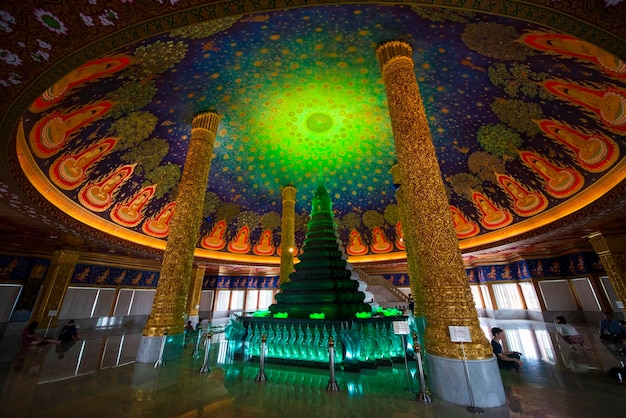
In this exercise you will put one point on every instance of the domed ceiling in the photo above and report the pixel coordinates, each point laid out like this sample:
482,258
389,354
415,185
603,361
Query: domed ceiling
528,124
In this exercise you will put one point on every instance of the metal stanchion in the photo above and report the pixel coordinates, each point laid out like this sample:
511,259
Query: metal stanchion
423,395
205,366
196,352
472,408
332,383
160,361
406,365
261,377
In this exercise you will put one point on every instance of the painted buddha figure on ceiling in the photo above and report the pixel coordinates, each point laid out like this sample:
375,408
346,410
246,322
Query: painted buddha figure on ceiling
160,225
264,247
609,104
560,182
90,71
594,152
51,133
380,244
525,203
492,216
571,46
99,196
68,171
462,227
215,239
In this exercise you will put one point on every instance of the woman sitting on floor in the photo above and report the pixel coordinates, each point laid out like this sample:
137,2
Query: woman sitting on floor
568,332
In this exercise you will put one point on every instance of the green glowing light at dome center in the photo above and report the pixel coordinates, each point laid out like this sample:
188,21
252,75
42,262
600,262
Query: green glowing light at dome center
319,122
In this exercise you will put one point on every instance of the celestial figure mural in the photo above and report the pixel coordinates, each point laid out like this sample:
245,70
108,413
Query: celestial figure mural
568,45
356,247
593,152
51,133
241,242
463,227
380,244
215,240
99,195
91,71
493,217
264,246
130,214
609,104
159,225
525,203
559,182
400,244
69,171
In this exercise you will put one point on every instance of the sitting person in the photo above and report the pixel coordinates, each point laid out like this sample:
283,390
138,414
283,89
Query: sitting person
69,332
507,360
568,332
188,327
610,329
29,337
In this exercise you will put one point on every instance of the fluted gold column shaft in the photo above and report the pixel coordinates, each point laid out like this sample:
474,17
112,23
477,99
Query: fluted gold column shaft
612,251
432,243
169,304
195,291
54,287
287,233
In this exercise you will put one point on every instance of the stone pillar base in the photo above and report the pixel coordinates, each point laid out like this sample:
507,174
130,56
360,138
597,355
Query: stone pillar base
149,349
447,381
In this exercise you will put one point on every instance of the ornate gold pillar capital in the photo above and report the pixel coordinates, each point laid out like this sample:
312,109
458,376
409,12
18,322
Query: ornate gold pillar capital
206,121
393,50
289,193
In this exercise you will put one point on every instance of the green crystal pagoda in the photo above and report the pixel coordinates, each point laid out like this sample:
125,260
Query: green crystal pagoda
321,281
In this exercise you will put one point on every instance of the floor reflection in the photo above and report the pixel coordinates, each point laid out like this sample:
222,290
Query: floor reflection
97,377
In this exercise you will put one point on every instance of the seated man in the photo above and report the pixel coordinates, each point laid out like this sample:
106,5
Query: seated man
507,360
610,329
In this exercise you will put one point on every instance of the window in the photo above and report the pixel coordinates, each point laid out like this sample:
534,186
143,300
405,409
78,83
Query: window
478,300
507,296
484,289
530,296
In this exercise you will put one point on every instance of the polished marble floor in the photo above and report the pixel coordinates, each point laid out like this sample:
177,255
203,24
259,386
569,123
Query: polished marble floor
97,377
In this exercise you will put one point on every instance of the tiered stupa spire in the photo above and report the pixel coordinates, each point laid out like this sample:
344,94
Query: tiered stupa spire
321,281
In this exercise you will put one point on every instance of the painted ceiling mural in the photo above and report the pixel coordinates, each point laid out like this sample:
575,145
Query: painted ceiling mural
524,120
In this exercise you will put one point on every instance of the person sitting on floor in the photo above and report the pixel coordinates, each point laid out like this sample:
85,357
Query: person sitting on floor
69,332
610,329
507,360
568,332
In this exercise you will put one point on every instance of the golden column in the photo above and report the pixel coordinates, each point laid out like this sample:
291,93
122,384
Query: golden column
195,293
54,286
414,278
169,304
287,233
433,246
612,251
